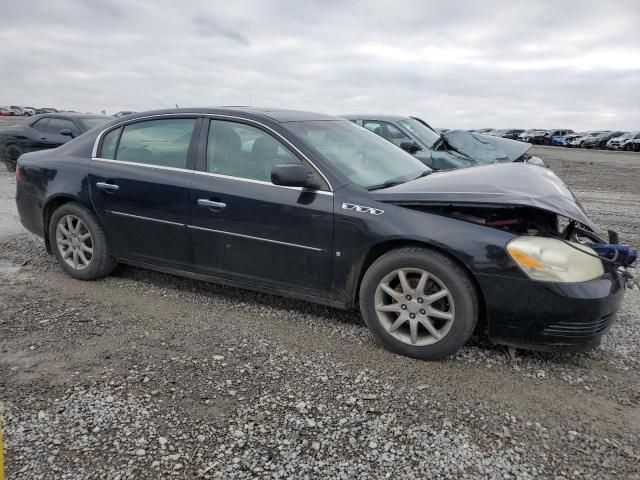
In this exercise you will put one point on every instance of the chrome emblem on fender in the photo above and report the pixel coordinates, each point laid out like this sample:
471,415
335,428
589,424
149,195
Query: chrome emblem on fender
362,209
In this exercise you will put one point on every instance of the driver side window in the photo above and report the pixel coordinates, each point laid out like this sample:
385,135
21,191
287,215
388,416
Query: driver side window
387,131
239,150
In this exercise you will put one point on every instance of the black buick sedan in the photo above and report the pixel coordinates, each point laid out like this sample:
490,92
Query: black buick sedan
318,208
41,132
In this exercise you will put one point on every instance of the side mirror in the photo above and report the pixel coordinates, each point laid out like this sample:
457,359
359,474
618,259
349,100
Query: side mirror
292,176
410,147
66,132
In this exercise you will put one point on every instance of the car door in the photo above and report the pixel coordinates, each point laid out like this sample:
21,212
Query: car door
140,184
52,137
247,229
38,135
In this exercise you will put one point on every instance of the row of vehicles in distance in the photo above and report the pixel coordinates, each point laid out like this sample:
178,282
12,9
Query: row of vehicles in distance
335,211
16,111
439,149
602,139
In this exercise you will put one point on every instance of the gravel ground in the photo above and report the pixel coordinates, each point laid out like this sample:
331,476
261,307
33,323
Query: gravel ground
145,375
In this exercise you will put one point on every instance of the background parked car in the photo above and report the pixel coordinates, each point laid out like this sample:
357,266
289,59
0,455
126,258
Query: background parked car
29,111
16,110
623,142
484,131
449,150
551,134
565,141
5,112
42,132
124,113
534,136
600,140
512,133
523,135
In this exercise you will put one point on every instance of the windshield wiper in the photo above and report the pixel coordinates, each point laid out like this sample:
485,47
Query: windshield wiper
423,174
387,184
397,181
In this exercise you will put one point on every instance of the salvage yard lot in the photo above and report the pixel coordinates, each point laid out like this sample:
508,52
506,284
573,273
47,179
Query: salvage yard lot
148,375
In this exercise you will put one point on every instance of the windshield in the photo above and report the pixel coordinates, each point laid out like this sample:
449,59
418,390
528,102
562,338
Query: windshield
363,157
420,130
93,122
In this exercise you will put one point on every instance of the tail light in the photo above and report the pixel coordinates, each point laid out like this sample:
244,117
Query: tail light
18,173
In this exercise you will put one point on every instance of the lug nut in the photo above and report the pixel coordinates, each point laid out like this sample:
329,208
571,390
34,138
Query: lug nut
423,311
412,315
408,297
403,306
420,300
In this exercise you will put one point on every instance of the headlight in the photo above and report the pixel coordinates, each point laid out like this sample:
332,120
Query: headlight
552,260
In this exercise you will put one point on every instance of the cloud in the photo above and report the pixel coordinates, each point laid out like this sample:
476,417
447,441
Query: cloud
573,64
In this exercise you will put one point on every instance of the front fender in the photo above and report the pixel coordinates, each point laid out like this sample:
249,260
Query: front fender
360,238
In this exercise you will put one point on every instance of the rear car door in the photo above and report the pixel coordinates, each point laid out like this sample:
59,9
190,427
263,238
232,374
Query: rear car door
140,183
39,134
249,230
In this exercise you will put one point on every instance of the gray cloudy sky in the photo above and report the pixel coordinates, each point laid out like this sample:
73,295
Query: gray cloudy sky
455,63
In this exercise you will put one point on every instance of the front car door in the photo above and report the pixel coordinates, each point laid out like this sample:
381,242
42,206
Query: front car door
53,138
247,229
140,180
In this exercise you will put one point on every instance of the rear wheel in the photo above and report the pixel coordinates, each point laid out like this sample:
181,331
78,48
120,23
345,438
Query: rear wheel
11,154
79,242
419,303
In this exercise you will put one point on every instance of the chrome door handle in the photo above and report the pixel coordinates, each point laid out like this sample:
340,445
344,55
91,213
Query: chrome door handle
110,187
203,202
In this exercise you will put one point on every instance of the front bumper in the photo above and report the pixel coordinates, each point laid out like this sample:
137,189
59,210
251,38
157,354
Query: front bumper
551,316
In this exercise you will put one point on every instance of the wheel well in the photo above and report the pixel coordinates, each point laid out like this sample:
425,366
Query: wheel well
51,206
381,248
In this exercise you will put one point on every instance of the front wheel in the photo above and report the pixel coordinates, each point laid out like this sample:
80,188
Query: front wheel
419,303
79,242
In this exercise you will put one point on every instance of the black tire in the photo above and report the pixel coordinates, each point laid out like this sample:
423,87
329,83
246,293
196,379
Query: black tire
10,155
457,282
102,262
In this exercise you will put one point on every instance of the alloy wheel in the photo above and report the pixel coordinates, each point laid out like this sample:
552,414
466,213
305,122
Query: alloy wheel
414,306
74,242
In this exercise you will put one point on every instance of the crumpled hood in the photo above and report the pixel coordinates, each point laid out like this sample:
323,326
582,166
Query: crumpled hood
484,148
511,184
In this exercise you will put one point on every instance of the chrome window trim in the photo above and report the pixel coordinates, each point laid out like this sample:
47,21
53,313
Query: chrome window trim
94,153
137,164
196,172
315,249
261,182
130,215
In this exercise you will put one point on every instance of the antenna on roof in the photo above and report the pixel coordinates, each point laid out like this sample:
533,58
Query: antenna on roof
249,99
177,106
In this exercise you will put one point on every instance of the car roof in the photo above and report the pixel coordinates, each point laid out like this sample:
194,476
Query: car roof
376,116
275,114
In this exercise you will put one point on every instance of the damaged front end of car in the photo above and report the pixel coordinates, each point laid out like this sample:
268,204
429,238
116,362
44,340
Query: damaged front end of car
573,274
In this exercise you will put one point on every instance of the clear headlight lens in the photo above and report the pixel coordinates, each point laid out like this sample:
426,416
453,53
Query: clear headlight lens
551,260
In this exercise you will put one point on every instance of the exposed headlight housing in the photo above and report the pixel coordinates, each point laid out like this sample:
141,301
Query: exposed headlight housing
552,260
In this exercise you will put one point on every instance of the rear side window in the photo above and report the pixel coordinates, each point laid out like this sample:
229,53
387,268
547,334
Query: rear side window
156,142
109,144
